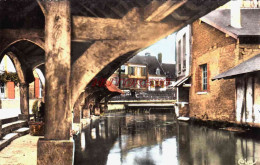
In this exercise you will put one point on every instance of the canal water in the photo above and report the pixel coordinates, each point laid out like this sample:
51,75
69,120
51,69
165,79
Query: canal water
156,139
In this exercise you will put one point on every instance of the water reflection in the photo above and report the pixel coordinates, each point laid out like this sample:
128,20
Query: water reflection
158,140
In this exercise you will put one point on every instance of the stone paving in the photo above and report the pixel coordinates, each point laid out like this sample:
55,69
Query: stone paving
22,151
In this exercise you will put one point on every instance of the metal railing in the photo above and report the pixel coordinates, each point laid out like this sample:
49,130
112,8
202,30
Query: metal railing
146,95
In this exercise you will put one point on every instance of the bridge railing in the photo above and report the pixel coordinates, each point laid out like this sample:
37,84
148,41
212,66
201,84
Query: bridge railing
146,95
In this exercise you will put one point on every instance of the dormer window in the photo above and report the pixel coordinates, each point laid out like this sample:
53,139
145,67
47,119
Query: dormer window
157,71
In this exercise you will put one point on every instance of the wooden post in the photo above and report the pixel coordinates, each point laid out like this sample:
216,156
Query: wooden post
56,147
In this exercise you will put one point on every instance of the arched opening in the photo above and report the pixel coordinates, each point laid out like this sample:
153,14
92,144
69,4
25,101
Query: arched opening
18,59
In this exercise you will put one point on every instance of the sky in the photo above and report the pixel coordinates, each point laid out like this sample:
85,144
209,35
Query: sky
165,46
8,63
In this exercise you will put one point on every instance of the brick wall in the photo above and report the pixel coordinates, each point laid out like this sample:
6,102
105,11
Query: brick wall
210,46
220,52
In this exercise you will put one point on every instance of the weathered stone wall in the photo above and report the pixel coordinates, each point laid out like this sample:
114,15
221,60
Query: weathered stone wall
210,46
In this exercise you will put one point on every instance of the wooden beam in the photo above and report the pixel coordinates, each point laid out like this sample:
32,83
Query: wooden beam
21,33
179,17
156,11
85,28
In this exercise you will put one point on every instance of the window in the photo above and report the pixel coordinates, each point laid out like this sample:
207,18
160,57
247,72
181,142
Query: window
143,71
2,91
143,83
184,51
204,77
179,56
152,84
131,70
122,69
162,84
157,71
157,83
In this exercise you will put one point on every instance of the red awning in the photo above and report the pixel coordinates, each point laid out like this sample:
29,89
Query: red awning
112,88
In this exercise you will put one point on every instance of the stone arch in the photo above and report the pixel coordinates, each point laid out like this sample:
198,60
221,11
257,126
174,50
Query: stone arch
98,55
40,73
20,70
5,45
24,72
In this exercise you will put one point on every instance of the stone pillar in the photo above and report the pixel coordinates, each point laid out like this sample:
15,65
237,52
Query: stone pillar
105,104
96,107
57,146
77,108
24,101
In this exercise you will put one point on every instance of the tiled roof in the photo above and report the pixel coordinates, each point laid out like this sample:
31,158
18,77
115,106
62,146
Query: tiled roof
169,70
150,61
250,23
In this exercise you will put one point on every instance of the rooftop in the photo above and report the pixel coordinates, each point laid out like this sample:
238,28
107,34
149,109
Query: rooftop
169,70
220,19
150,61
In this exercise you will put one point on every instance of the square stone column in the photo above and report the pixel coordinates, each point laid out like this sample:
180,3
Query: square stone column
58,152
24,101
56,147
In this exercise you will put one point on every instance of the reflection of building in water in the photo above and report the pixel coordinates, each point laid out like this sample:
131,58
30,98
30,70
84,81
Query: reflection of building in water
96,141
102,138
147,134
203,146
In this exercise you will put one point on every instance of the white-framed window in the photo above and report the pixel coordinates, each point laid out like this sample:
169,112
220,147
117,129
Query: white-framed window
204,77
131,70
143,71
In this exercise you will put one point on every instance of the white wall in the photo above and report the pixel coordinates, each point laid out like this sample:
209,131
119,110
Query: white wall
187,31
151,78
246,96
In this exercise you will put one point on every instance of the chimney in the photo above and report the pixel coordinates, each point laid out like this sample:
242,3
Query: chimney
235,13
160,58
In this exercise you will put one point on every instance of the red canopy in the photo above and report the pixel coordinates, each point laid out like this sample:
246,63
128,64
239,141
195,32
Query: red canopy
112,88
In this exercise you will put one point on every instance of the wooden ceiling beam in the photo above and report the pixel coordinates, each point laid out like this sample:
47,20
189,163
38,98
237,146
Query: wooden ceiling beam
87,28
178,17
157,11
